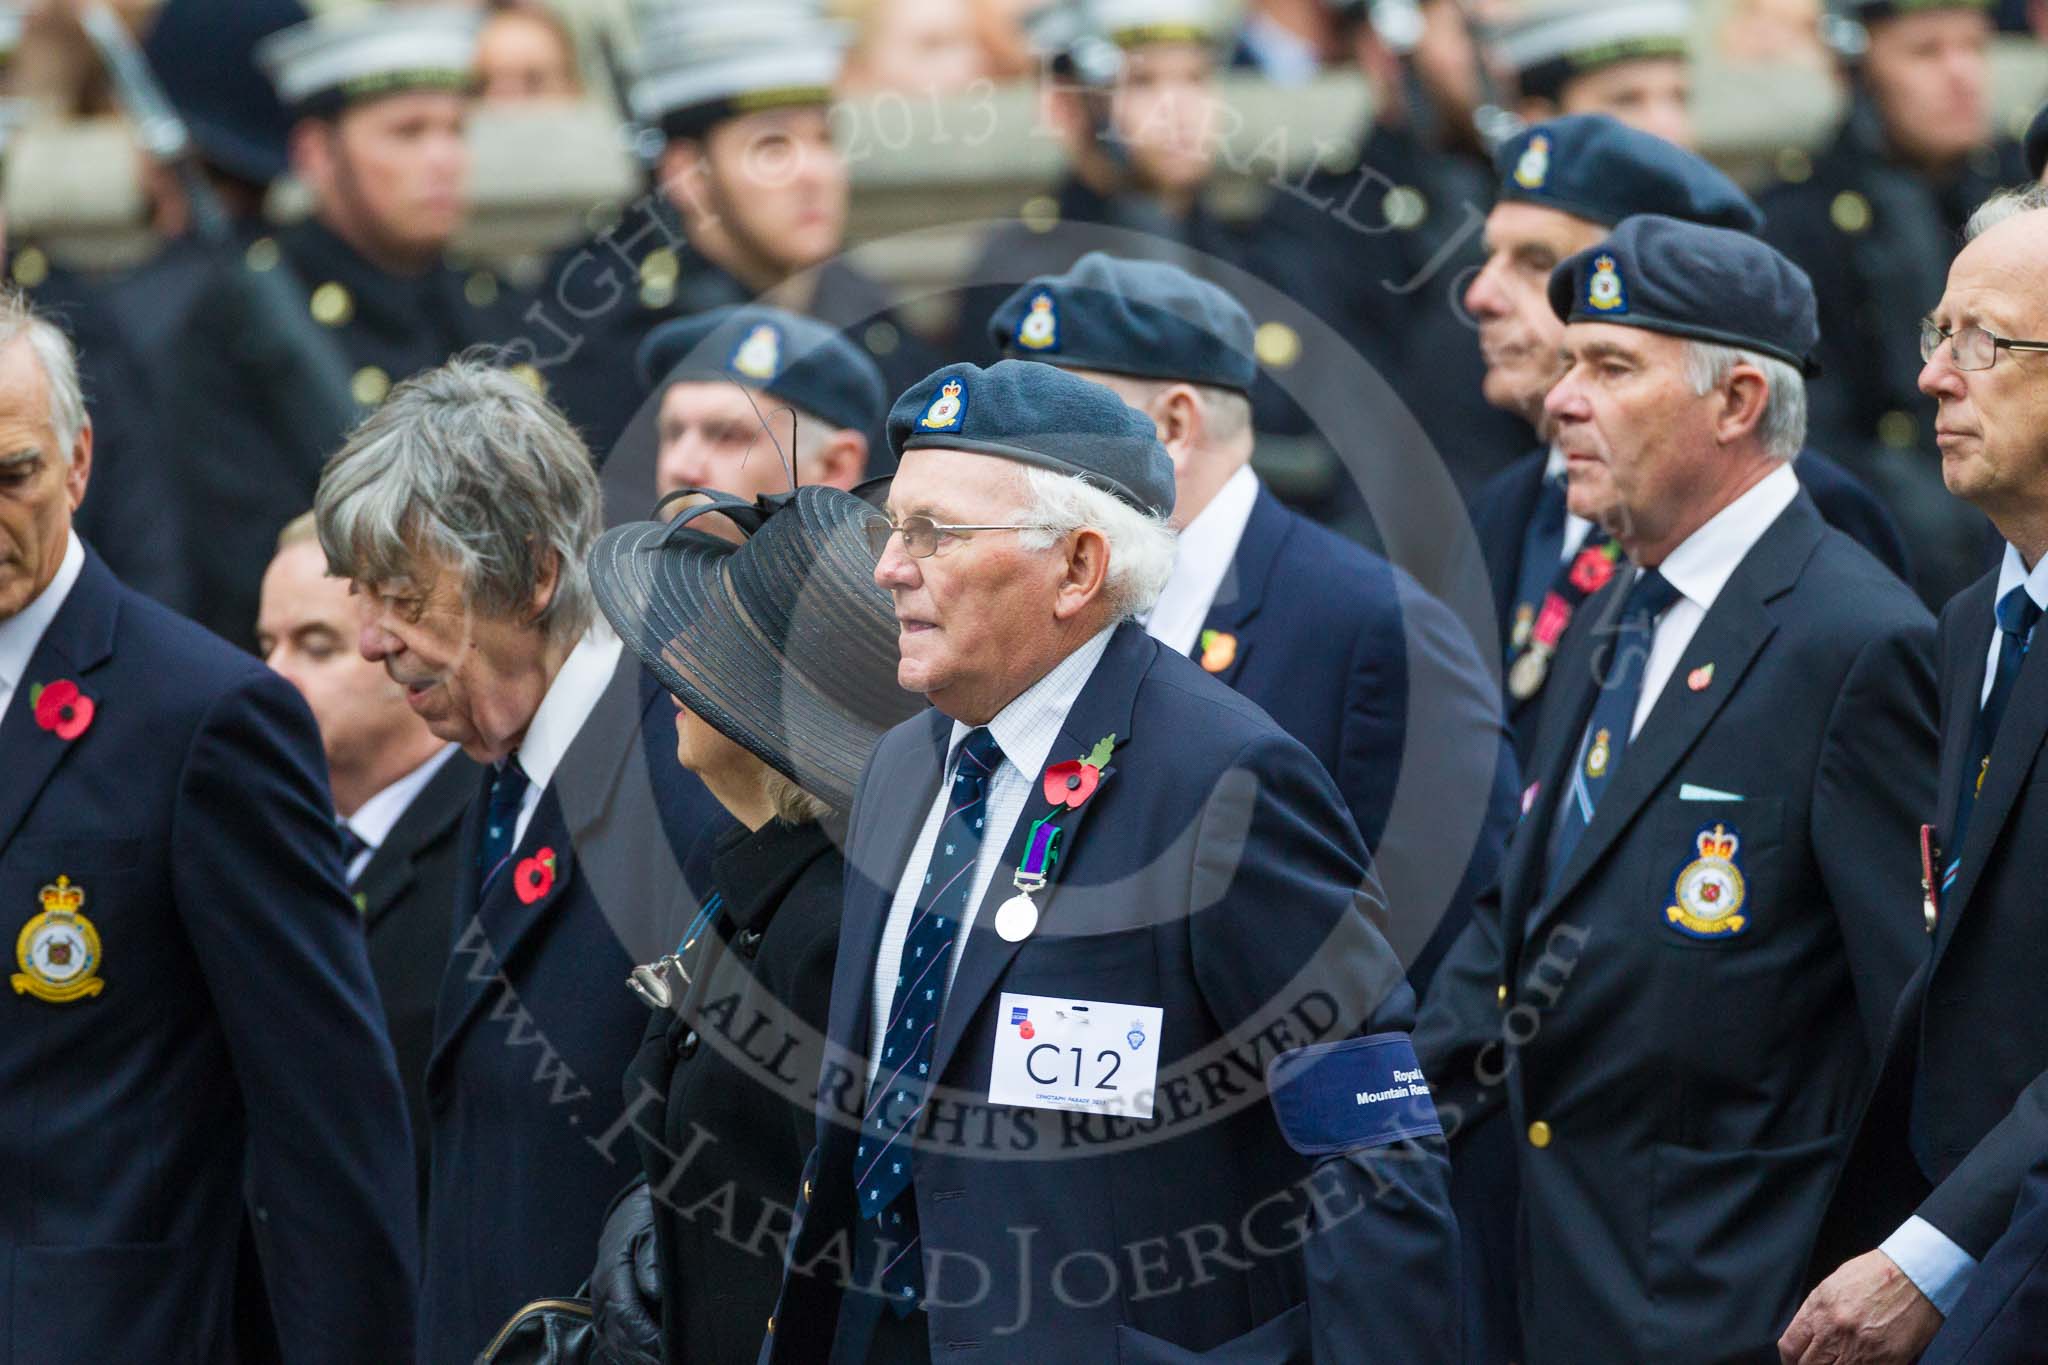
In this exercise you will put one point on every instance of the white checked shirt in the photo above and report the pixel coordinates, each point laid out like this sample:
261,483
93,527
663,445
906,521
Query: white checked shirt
1025,730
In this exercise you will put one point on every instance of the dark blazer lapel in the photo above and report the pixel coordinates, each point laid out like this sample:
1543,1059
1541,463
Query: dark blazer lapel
2013,752
1245,583
1970,638
1103,708
902,799
79,639
1505,522
1729,639
435,810
503,920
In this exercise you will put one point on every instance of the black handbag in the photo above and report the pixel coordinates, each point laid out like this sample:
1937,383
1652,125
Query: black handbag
547,1332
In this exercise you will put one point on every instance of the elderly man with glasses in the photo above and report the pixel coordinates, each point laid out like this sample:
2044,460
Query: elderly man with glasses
1093,1088
1961,1107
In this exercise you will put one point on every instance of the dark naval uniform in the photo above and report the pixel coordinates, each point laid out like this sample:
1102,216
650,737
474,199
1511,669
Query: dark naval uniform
601,298
1877,238
393,326
1380,244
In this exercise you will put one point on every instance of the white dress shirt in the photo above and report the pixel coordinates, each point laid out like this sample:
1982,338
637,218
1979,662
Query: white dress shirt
1025,731
373,819
1700,567
2012,571
1207,549
1929,1258
570,699
23,631
1576,527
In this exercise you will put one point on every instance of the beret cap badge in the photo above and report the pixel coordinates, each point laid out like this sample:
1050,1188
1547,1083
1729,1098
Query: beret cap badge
1040,329
759,354
1534,166
1604,291
948,410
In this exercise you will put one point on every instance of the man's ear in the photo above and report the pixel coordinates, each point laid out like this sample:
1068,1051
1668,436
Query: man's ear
840,462
1182,423
79,473
1744,395
311,151
682,163
547,578
1086,574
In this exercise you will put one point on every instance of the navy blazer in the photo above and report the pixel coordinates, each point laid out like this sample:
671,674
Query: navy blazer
2002,1317
1214,874
237,1034
1355,660
534,1026
1502,507
1696,1093
1967,1058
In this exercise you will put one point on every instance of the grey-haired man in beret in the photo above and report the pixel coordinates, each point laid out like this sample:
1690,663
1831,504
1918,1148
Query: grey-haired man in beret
1093,853
1699,932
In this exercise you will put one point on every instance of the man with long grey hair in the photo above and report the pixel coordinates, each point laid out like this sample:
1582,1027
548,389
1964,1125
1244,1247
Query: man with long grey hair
462,513
1093,854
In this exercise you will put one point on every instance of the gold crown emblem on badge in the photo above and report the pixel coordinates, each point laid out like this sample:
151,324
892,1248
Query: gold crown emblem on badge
62,898
1718,843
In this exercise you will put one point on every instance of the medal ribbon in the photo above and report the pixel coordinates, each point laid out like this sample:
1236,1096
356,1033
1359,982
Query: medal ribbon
1041,851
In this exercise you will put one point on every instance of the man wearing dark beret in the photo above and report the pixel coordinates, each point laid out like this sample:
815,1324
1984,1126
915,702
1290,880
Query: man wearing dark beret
1874,219
1677,989
1092,850
1563,186
1349,654
755,400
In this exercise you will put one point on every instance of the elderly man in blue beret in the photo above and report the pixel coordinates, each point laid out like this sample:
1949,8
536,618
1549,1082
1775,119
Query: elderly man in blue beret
1679,985
1116,1068
1349,654
756,400
1564,185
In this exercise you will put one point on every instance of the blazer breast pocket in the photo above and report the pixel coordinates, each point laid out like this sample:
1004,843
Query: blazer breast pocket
1713,871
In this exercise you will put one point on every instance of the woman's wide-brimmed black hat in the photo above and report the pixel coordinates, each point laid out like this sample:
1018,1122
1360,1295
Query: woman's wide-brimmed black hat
782,643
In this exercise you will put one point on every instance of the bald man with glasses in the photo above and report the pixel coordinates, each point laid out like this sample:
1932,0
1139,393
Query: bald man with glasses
1960,1110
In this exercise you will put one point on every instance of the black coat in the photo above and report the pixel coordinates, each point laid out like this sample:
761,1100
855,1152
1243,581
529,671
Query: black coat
1681,1104
407,895
1967,1059
738,1060
1877,236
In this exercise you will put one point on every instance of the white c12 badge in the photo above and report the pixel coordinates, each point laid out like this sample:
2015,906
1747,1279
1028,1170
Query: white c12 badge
1090,1056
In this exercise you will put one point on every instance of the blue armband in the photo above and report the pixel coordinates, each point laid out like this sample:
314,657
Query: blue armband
1359,1092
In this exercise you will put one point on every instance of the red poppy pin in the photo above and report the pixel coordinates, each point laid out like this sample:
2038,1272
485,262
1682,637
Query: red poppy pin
1219,650
1070,784
61,708
534,877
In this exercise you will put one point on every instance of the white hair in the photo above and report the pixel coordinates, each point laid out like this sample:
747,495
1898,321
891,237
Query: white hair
1141,545
468,465
1782,428
19,321
2004,205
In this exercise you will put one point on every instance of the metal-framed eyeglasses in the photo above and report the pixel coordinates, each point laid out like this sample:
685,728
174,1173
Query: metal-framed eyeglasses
922,536
1970,348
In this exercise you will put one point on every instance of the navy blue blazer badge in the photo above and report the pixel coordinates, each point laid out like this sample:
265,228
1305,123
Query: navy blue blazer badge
1710,891
59,949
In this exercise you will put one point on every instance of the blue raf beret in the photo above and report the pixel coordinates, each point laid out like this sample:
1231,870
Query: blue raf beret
797,359
1706,283
1042,416
1595,167
1142,318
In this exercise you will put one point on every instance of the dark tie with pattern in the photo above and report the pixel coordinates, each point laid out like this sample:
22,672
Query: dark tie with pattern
886,1232
352,847
501,819
1618,668
2017,614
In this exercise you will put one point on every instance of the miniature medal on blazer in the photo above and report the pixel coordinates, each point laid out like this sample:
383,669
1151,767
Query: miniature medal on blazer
59,949
1710,892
